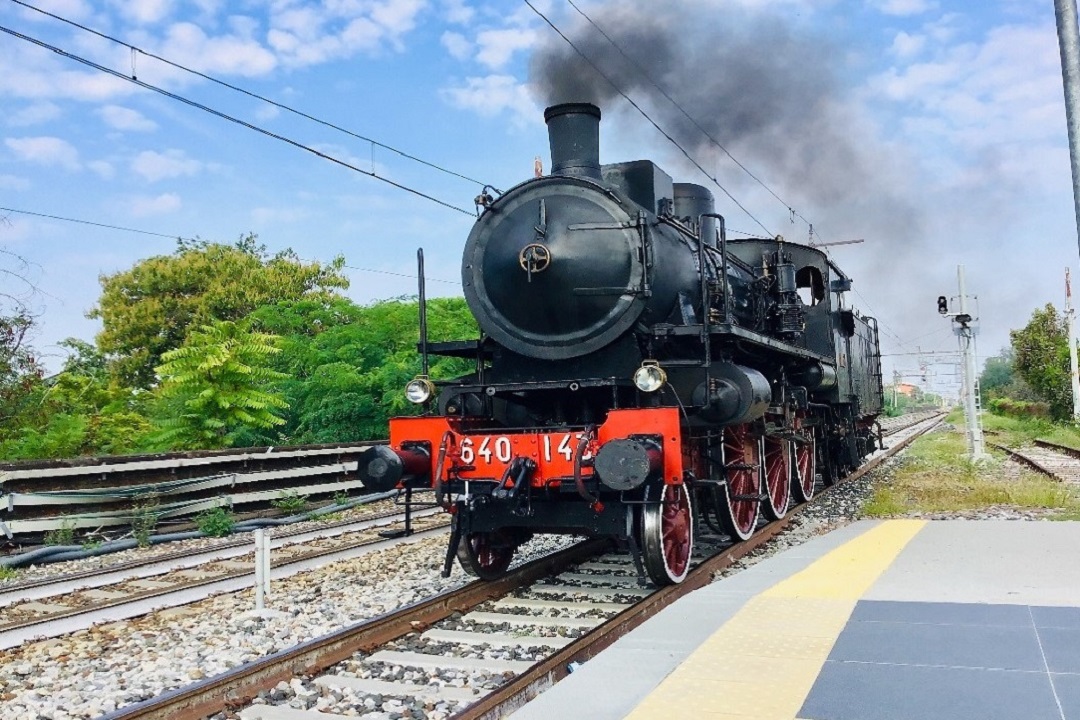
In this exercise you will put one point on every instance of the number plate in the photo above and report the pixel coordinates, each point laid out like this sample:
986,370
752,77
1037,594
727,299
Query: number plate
490,455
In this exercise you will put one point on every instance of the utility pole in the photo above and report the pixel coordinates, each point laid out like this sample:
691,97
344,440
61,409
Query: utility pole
1070,323
1069,45
965,332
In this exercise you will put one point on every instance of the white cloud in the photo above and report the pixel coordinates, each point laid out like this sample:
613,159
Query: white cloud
994,105
187,44
143,12
156,166
266,112
45,150
102,169
457,12
492,95
34,114
34,73
905,46
310,35
456,44
13,182
498,46
143,205
71,9
122,118
904,7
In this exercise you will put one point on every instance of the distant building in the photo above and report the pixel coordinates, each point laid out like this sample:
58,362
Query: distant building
907,389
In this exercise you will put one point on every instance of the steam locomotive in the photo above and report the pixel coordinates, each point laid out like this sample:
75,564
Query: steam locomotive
637,372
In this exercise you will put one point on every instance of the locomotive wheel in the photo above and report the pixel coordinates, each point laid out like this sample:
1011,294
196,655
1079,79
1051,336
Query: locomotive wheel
777,478
741,502
486,555
667,533
804,469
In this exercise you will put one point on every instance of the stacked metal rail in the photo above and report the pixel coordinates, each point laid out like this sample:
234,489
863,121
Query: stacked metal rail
93,493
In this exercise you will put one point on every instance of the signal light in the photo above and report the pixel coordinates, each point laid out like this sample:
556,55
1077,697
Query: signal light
942,304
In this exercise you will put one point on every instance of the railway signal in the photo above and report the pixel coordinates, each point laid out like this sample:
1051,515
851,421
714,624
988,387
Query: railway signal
965,332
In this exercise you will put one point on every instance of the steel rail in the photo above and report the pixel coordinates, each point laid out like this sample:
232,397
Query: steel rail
13,634
235,687
1025,460
238,545
546,673
1063,449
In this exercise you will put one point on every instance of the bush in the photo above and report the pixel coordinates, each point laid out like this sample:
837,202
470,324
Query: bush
63,535
1021,409
216,522
290,501
144,518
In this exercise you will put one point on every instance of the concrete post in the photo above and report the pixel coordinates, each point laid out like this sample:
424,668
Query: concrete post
262,567
1070,321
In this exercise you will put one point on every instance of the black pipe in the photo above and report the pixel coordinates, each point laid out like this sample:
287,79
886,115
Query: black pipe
423,312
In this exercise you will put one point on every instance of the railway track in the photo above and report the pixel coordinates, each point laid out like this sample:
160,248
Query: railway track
512,637
51,608
1051,459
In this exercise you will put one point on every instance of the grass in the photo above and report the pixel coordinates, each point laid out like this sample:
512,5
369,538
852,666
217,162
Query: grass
936,476
1015,431
8,573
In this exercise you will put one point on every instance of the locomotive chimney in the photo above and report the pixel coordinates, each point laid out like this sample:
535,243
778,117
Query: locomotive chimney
574,135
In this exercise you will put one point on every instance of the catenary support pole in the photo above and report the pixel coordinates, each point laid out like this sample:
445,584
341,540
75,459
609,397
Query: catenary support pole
966,333
1069,44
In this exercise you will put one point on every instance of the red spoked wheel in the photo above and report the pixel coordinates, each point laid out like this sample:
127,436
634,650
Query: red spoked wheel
667,533
486,555
741,503
804,469
777,477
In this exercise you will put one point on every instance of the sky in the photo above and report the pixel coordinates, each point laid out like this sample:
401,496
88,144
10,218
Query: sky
933,130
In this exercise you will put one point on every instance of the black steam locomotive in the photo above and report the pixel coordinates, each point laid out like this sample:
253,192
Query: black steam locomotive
636,367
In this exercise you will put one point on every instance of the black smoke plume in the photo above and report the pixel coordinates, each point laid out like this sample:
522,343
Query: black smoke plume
768,92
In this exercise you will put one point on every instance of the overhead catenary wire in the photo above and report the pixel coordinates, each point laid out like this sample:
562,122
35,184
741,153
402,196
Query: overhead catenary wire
647,117
281,106
230,118
182,237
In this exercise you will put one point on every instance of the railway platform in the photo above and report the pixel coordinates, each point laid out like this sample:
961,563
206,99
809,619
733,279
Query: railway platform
878,620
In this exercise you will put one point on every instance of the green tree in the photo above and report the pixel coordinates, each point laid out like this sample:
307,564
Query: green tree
78,411
1041,358
146,311
997,375
347,365
21,372
212,387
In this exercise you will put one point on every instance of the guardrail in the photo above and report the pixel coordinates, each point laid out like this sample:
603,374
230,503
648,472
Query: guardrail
101,492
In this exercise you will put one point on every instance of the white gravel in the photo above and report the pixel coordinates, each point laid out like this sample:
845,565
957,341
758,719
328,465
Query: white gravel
61,569
97,670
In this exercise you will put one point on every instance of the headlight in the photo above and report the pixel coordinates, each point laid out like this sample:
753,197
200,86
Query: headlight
419,390
650,377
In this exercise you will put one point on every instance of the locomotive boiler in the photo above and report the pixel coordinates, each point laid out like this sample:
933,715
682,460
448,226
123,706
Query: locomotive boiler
637,370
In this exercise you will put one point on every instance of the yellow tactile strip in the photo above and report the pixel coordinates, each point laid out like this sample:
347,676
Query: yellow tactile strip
762,663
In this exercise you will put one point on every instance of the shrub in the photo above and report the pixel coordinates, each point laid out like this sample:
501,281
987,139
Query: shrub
144,518
290,501
216,522
63,535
